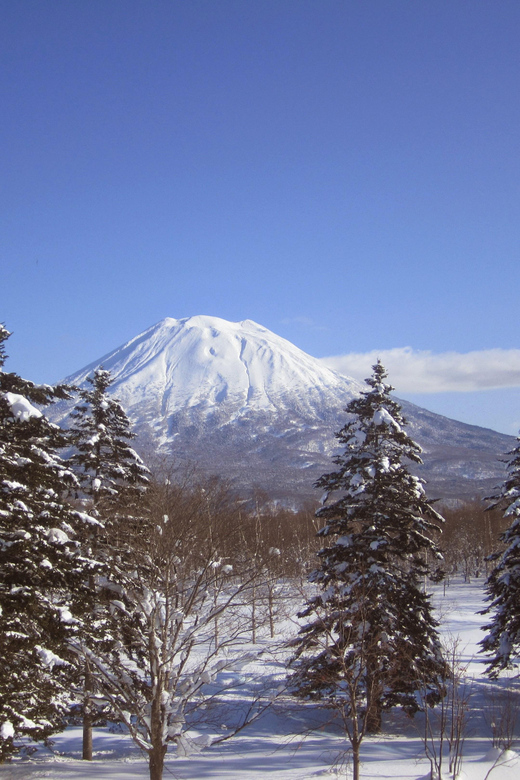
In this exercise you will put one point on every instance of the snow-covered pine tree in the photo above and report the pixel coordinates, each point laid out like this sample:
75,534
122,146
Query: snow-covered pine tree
42,571
371,642
502,641
113,479
111,473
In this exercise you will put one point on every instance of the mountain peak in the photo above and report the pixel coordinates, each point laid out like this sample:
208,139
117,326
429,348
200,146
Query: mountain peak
208,321
207,362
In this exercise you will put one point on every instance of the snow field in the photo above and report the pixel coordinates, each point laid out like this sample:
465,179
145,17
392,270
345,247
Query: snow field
294,740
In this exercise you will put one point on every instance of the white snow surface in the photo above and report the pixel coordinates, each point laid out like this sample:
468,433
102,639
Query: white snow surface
21,408
203,361
295,741
6,730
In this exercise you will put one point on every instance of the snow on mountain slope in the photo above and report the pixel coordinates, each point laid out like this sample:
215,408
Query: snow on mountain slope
245,403
204,362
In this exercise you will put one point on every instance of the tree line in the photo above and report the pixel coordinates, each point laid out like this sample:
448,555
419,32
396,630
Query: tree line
131,596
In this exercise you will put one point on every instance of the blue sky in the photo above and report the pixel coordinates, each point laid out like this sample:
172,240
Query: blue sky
346,173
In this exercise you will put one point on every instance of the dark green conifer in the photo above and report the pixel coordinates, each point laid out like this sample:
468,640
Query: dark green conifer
110,472
372,635
112,480
502,641
43,572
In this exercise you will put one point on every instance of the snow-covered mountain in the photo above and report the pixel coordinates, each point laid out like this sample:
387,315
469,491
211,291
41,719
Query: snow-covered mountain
206,363
240,401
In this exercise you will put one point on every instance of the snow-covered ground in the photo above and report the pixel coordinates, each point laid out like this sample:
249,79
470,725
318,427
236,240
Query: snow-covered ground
297,742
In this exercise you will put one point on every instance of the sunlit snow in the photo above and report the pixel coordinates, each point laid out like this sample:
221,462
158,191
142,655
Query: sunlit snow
21,408
206,360
298,741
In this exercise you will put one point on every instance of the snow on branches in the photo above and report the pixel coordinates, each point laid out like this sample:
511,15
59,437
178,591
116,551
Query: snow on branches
42,569
370,641
503,585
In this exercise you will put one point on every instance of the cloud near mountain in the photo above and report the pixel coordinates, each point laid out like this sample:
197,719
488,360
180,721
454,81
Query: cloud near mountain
422,371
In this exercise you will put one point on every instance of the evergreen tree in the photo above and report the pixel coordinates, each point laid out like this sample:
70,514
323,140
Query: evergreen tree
371,642
111,473
503,584
113,479
42,570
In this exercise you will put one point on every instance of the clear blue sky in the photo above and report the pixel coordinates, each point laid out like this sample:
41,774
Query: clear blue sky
346,173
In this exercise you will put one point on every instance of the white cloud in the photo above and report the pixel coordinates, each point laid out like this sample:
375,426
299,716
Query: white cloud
421,371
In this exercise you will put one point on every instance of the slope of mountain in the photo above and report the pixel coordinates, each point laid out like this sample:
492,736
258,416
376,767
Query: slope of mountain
240,401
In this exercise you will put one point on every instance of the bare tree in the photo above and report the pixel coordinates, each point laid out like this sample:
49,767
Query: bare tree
470,536
343,681
177,610
502,712
446,718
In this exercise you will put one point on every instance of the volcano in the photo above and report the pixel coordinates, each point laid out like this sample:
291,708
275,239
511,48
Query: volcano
237,400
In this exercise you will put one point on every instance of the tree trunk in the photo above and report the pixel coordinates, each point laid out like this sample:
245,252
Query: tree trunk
374,718
158,750
88,687
156,761
271,609
87,716
87,735
355,762
253,615
374,707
